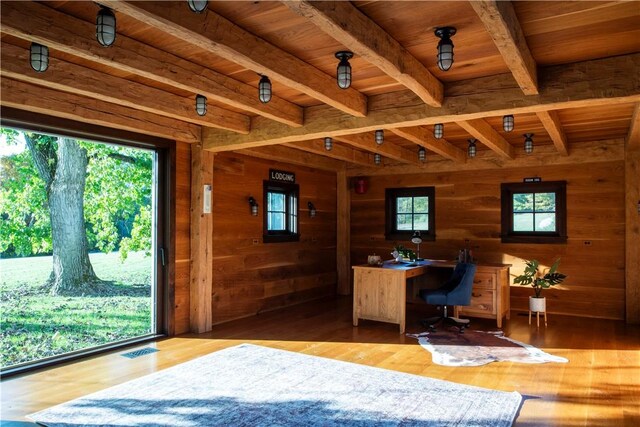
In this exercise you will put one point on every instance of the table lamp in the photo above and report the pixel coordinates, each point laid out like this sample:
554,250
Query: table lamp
417,239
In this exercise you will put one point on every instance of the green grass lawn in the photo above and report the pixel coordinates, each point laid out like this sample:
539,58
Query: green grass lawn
34,325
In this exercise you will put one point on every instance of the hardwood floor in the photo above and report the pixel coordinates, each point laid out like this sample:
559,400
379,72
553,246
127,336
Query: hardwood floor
600,386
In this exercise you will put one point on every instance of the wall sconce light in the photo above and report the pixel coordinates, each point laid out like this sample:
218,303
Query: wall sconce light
105,27
422,154
377,159
328,143
201,105
438,130
197,6
471,150
264,89
379,136
343,74
253,205
445,47
39,57
312,210
507,123
528,143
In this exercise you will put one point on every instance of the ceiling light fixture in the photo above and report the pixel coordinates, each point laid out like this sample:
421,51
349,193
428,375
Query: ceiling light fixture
471,150
201,105
328,143
528,143
377,159
379,136
264,89
422,154
343,74
197,6
438,130
445,47
507,123
39,57
105,27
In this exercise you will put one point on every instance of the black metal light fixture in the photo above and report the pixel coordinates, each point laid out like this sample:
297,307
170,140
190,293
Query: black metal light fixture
264,89
438,130
328,143
197,6
471,150
312,210
39,57
105,26
253,206
445,47
379,136
201,105
417,239
343,74
528,143
508,123
377,159
422,154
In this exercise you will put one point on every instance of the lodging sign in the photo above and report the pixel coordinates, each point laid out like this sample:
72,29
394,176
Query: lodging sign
282,176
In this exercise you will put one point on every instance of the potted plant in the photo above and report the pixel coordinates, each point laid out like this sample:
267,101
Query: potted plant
401,253
539,280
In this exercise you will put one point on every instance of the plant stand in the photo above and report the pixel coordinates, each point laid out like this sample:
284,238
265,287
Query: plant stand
538,305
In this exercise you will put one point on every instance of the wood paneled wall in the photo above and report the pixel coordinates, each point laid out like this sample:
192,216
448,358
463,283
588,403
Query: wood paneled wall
468,207
180,296
249,276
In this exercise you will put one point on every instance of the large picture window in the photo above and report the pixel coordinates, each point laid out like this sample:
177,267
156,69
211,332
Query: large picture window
280,213
408,210
534,212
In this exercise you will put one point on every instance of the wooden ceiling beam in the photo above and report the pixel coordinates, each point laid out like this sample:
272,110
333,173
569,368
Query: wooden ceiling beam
551,122
293,156
41,24
79,80
599,82
483,132
423,137
39,99
501,22
217,35
633,137
353,29
392,151
338,152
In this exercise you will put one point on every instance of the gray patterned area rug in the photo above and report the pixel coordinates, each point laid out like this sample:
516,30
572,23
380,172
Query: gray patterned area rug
448,347
251,385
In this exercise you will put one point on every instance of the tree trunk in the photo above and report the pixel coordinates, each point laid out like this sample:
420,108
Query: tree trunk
72,268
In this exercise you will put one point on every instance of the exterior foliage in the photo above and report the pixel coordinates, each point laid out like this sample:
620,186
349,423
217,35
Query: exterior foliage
540,280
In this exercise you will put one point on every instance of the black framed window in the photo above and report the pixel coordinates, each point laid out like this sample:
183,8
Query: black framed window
280,213
408,210
534,212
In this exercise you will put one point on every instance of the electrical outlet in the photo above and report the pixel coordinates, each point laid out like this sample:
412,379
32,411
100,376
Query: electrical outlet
314,239
587,242
256,241
372,238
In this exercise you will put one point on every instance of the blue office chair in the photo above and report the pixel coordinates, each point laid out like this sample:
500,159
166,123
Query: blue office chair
455,291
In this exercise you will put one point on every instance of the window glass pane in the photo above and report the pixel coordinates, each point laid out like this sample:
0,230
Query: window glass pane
404,205
404,222
545,202
523,202
545,222
522,222
421,222
420,204
275,221
276,202
293,213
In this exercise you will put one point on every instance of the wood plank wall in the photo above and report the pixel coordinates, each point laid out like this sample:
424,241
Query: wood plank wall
468,207
250,277
180,286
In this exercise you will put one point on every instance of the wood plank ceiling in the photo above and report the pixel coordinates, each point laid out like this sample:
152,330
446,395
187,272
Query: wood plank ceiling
567,71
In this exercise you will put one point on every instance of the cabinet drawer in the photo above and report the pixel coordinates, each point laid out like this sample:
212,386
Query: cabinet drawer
484,281
482,301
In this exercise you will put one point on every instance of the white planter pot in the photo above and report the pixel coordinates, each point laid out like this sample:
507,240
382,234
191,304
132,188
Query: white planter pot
538,304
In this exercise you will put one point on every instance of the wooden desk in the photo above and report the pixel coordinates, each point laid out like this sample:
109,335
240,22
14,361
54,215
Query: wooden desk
380,293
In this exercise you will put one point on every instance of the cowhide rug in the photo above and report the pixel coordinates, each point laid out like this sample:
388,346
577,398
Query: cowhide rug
475,348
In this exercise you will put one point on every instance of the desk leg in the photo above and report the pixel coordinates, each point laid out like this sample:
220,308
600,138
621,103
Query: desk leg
499,321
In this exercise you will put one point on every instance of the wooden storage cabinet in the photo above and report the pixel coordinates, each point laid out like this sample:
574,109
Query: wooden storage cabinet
490,296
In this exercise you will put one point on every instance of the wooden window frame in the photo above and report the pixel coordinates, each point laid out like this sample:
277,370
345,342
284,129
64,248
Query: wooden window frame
280,236
391,195
506,194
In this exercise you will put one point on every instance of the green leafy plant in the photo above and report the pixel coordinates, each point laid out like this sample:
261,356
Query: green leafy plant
405,252
538,279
